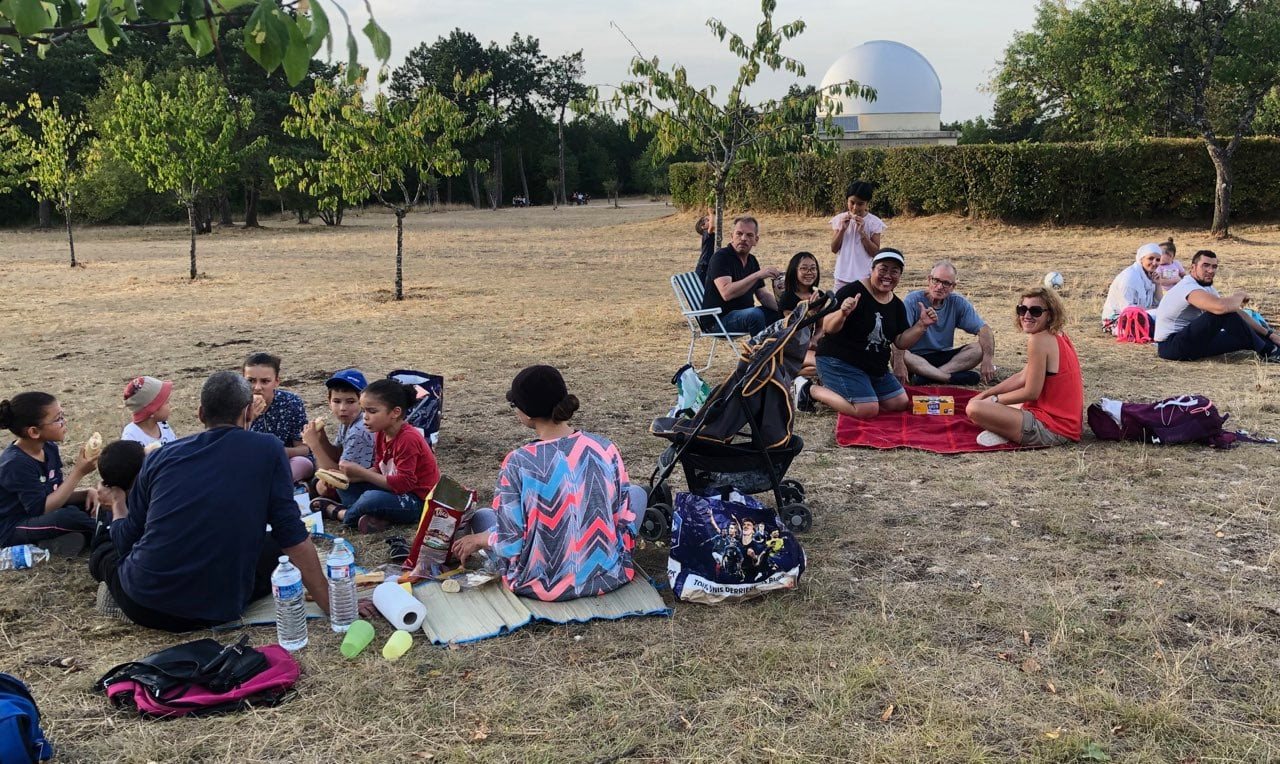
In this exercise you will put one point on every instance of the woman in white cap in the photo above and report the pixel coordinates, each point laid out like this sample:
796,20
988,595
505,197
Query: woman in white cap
147,399
1134,286
858,342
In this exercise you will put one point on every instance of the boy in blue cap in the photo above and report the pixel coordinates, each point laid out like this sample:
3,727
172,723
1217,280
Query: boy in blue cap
354,442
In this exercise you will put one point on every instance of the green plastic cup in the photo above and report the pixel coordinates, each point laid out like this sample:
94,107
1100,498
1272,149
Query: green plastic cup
397,645
359,635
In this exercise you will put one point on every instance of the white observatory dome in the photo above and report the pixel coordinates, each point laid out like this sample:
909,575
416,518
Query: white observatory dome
905,81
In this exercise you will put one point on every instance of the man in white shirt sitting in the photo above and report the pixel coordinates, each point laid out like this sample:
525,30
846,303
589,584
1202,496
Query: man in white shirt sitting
1194,321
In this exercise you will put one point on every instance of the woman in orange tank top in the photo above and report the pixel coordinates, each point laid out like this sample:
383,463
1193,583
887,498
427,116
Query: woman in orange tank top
1043,404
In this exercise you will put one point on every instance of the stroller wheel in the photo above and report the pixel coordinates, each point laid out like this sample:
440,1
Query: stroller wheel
796,517
656,523
660,495
792,491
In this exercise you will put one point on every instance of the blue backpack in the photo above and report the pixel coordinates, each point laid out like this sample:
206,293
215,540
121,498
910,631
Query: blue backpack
21,739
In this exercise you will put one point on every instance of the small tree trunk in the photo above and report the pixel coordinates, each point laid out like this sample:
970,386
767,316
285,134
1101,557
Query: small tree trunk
224,212
473,175
399,254
251,195
71,242
564,198
524,179
495,194
191,220
45,215
1222,167
720,185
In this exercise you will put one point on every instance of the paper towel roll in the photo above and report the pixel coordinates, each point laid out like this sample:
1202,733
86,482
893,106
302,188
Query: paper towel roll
402,609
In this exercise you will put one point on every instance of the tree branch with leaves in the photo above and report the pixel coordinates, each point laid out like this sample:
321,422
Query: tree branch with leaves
725,134
278,33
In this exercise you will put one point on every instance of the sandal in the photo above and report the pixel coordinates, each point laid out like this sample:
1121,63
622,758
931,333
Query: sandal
328,508
398,549
371,524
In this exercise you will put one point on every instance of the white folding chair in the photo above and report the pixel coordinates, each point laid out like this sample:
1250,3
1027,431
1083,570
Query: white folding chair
689,294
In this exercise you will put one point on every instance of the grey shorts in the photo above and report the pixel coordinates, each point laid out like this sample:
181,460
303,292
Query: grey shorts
1035,434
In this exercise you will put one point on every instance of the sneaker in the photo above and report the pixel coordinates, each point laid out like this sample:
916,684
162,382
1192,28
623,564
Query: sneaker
988,439
800,396
66,545
106,604
371,524
1272,357
965,378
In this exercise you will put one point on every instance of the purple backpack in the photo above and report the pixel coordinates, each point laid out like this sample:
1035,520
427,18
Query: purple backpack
1184,419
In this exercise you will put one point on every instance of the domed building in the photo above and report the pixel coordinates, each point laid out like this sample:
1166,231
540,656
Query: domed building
907,110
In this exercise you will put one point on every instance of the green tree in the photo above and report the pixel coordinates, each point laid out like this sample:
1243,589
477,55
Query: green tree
726,134
371,151
562,88
180,140
1096,71
51,153
278,33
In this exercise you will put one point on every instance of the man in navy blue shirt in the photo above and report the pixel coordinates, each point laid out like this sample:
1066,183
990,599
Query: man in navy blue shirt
187,548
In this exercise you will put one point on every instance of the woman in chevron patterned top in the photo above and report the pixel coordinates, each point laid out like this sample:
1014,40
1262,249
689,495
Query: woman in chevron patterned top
563,521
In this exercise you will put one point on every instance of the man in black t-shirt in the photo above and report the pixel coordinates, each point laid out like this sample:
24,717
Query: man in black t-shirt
733,276
859,339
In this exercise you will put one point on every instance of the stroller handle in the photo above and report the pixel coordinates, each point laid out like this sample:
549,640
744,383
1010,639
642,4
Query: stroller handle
831,305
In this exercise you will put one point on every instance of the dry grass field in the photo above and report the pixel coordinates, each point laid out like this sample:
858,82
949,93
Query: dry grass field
1090,603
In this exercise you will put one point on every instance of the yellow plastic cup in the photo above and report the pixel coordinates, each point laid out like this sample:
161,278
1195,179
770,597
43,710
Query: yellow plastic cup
397,645
358,637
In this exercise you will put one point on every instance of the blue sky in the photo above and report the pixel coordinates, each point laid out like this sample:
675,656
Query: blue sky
963,40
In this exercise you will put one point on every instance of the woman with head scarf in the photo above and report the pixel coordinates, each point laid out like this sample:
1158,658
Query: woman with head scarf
1134,286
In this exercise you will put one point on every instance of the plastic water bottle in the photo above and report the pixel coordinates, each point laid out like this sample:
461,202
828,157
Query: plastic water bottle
291,611
340,570
22,556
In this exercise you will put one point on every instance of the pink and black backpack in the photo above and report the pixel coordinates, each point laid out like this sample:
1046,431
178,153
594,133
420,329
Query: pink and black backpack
1135,325
202,677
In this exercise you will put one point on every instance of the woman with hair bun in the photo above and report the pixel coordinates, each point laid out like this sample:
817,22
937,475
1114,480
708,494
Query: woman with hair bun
563,521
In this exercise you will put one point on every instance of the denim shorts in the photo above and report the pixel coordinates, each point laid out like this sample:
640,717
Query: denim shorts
854,384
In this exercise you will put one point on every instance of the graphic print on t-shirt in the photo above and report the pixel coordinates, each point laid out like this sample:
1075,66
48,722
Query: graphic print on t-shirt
876,341
387,467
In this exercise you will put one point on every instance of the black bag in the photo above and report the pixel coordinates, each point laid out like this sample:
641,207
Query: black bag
204,662
427,411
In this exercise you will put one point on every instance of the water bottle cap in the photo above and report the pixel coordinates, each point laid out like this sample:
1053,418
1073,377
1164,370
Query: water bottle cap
282,558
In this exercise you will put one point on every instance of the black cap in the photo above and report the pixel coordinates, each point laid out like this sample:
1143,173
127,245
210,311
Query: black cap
537,390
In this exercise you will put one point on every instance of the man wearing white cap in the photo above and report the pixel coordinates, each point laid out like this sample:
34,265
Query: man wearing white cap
1134,286
858,342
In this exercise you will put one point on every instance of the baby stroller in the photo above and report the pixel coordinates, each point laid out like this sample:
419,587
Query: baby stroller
741,439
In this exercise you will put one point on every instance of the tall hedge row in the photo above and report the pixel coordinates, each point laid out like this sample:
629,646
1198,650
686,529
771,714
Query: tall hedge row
1059,182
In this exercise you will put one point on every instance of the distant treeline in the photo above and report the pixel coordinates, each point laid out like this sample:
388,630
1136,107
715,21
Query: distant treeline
518,156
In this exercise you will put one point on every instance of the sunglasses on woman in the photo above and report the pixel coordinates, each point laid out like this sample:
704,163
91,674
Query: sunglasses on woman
1035,310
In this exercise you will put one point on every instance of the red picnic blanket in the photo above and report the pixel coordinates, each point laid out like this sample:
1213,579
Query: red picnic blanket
940,434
